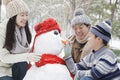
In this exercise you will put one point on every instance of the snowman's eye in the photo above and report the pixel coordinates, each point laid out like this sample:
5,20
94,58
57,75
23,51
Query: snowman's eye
56,33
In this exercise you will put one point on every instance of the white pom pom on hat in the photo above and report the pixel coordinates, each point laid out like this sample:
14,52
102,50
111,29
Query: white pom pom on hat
80,18
79,12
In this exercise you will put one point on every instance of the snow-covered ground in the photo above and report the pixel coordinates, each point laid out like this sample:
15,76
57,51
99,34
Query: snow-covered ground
115,43
119,65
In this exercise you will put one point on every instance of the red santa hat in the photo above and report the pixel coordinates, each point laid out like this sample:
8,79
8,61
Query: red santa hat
45,26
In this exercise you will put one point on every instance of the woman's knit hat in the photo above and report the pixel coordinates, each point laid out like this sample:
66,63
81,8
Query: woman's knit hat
80,18
14,7
102,30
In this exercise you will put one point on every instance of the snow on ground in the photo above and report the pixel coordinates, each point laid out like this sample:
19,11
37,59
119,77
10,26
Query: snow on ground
115,43
119,65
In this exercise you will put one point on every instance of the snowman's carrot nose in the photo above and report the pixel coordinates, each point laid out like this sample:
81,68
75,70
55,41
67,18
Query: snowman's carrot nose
64,42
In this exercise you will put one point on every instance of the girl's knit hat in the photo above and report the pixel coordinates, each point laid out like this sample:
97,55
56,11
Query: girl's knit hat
14,7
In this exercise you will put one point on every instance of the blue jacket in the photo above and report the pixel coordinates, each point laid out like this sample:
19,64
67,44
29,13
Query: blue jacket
100,65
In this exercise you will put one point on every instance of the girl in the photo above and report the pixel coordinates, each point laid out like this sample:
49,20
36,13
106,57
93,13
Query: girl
15,38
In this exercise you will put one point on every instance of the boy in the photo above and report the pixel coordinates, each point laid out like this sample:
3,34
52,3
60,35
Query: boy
101,63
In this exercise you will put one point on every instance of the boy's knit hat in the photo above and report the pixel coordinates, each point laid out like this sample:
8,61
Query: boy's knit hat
14,7
102,30
80,17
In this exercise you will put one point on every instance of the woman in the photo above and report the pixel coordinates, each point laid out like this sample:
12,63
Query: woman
80,24
15,38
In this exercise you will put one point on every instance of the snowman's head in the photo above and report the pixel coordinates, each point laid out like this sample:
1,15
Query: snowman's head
48,39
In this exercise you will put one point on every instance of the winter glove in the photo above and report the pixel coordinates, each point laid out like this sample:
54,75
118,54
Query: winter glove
67,50
33,57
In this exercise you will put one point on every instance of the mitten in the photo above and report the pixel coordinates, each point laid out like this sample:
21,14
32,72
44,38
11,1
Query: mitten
33,57
67,50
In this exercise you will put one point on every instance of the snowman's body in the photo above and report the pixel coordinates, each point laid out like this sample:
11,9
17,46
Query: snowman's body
48,72
49,42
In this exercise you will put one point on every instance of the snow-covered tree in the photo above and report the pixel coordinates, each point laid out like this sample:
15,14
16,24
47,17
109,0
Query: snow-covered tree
0,9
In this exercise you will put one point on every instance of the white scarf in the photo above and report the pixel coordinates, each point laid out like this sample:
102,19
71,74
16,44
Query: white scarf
21,44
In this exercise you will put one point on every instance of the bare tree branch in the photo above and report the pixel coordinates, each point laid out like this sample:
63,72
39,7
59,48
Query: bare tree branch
113,9
0,10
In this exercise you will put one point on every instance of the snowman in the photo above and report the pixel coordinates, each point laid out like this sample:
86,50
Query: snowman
49,44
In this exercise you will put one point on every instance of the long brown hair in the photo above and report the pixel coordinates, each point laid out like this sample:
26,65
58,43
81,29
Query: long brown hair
10,35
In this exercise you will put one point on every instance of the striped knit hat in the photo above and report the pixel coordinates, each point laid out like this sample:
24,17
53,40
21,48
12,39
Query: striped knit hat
102,30
14,7
80,18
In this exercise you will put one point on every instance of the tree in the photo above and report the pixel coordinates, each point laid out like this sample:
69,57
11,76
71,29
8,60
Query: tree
113,8
0,9
115,17
99,10
62,11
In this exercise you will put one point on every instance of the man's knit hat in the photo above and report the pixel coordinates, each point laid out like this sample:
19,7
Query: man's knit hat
80,17
102,30
14,7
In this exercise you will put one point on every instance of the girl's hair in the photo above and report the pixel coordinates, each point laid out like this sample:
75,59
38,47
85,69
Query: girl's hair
10,35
